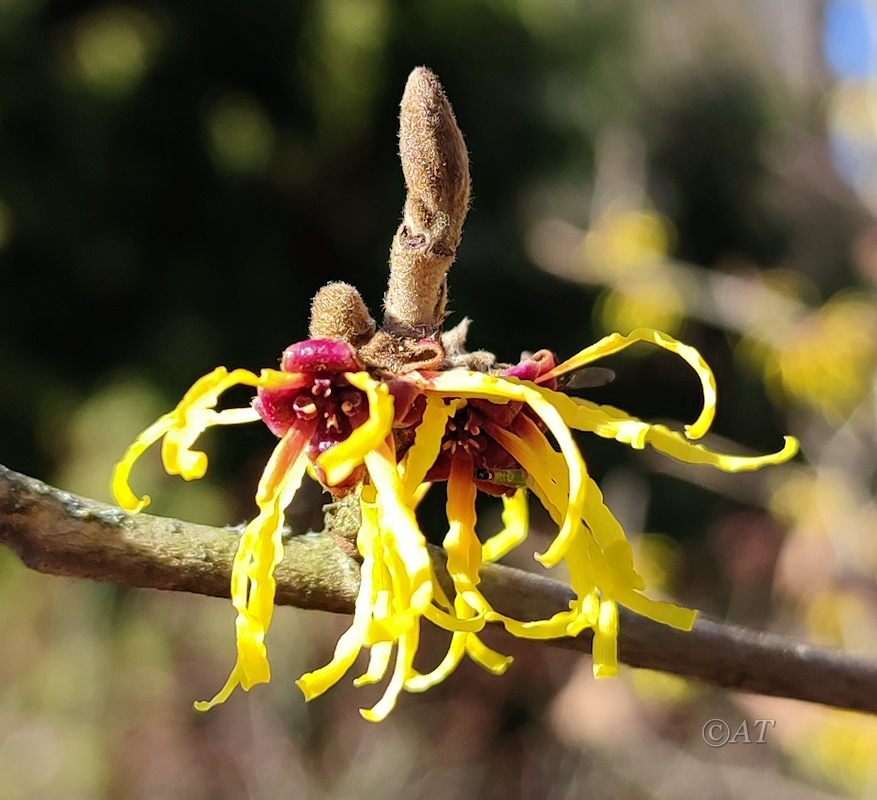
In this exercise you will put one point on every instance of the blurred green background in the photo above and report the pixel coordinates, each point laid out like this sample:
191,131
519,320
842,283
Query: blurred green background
178,179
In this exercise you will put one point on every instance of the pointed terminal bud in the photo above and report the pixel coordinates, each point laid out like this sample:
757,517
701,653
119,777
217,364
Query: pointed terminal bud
338,312
436,169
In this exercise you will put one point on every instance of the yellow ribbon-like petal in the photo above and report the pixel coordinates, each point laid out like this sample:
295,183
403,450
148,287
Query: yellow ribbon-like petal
427,442
552,477
605,649
599,555
404,668
193,416
121,485
516,524
314,683
180,429
456,650
260,550
339,461
398,520
463,383
461,542
616,342
486,657
612,423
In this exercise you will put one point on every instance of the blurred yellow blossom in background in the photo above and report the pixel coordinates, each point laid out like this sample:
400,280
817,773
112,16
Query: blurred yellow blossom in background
621,241
826,359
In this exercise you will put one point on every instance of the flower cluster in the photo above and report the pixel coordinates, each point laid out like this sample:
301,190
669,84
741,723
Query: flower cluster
384,438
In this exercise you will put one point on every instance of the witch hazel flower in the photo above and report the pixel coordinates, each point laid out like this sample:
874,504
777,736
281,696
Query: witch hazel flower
506,433
379,415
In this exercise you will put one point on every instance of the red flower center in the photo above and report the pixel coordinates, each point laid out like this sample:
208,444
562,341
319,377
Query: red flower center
322,402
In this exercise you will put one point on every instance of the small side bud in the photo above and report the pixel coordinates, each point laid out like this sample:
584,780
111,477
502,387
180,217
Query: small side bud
338,312
436,169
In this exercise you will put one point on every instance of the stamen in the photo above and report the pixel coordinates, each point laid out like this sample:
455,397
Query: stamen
304,407
331,421
322,387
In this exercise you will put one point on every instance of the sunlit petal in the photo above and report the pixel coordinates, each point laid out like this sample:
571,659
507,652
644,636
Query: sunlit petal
489,387
427,442
192,416
616,342
486,657
338,462
605,648
405,651
260,550
612,423
121,486
461,542
398,519
516,523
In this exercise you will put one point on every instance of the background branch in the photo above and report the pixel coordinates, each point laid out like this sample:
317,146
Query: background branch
58,533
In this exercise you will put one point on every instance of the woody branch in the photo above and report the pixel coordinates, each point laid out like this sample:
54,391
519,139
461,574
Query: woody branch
58,533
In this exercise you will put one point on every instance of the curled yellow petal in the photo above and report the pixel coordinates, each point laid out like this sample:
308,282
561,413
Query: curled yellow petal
612,423
516,523
121,486
456,650
670,443
461,542
192,416
316,682
231,683
486,657
398,520
598,556
405,651
378,663
452,658
339,461
616,342
180,429
462,383
602,524
453,622
427,442
675,616
555,627
368,602
551,477
260,550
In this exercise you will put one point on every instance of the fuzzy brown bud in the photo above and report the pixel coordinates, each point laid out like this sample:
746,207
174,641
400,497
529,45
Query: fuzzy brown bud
338,312
436,169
